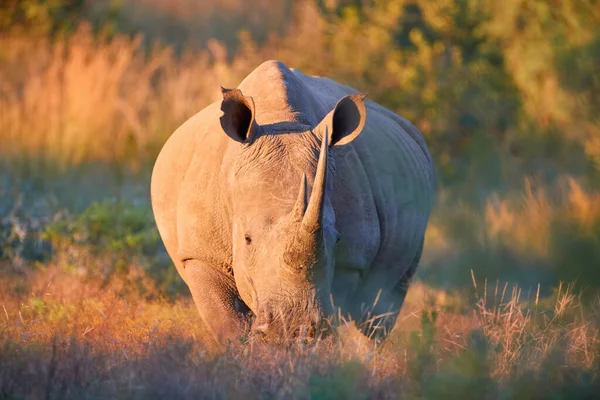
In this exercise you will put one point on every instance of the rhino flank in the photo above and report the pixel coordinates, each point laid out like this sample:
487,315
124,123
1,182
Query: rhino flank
294,196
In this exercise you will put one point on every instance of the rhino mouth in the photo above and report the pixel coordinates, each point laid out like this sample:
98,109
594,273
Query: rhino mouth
291,322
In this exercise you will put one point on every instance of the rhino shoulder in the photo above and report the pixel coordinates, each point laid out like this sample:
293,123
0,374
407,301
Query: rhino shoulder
192,146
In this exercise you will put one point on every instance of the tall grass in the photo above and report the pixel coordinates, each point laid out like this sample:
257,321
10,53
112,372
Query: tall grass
66,337
96,99
107,102
128,98
541,233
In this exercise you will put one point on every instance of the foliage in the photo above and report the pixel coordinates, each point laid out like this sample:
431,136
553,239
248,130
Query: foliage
537,234
423,344
463,72
20,240
108,227
41,16
110,238
343,383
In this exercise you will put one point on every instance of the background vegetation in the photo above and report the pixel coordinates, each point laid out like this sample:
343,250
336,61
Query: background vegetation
506,94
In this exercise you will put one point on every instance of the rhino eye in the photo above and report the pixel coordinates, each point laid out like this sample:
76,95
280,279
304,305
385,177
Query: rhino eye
248,239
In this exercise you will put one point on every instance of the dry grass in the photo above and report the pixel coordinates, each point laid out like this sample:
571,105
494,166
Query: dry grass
540,233
91,322
98,99
525,222
62,336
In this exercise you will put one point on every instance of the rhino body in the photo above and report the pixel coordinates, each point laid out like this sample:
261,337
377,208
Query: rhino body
293,193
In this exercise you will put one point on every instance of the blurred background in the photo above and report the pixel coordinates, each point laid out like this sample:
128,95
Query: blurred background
506,94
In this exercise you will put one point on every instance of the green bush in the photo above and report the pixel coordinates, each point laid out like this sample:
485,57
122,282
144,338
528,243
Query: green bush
123,230
111,237
41,16
343,383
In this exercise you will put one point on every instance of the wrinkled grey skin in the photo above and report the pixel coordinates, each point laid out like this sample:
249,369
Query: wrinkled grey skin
293,193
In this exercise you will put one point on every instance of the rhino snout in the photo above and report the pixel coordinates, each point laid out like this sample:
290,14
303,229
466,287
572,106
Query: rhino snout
262,322
289,321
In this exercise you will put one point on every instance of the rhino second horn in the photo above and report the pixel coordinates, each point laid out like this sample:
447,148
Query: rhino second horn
313,217
300,207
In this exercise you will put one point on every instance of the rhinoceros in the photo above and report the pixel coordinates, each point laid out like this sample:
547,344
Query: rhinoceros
294,195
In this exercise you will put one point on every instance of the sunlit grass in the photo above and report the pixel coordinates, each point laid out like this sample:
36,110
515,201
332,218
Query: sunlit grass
97,99
542,233
83,339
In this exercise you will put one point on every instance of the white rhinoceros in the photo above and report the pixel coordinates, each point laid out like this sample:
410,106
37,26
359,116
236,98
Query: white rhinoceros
294,196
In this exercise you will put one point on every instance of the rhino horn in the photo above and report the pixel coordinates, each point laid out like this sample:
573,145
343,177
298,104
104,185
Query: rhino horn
313,217
308,216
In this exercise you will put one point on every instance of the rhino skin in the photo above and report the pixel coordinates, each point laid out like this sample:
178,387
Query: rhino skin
294,195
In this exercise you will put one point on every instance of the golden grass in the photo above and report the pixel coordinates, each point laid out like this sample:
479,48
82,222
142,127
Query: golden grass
542,233
524,224
98,99
82,327
62,336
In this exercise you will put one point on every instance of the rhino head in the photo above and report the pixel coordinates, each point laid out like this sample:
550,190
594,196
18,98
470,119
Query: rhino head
283,222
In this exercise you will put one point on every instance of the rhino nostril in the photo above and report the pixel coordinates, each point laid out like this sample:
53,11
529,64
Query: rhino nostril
265,318
261,328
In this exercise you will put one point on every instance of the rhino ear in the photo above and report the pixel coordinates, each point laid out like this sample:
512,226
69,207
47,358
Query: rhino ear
345,121
237,120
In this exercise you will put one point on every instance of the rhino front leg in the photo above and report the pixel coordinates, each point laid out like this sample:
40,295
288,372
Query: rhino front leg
218,301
